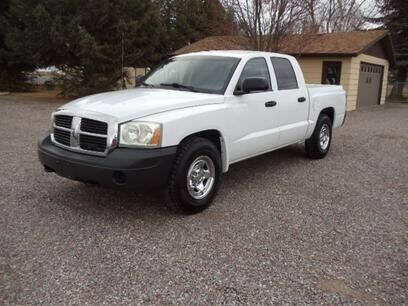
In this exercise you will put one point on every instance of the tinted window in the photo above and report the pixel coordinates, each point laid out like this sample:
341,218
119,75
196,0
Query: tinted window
285,76
210,74
255,68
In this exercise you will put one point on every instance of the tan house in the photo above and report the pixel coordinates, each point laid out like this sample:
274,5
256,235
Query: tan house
358,60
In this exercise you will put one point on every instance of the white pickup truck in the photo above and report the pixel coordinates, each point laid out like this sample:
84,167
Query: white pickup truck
188,121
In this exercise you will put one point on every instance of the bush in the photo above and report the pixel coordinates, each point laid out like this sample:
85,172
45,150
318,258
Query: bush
49,85
75,82
15,81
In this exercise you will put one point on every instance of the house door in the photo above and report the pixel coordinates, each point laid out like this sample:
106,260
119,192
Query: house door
369,84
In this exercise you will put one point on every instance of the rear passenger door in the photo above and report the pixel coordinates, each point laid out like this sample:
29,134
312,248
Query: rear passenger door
292,102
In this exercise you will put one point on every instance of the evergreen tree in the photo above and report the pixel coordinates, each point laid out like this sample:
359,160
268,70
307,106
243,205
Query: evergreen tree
187,21
14,64
395,18
87,39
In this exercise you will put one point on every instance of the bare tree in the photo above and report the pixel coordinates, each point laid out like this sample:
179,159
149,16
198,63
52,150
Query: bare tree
312,16
264,22
336,15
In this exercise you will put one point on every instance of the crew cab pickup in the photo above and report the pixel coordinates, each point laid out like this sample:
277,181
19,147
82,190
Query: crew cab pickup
188,121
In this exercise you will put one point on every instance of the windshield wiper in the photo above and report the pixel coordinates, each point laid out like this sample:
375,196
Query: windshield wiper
178,85
146,84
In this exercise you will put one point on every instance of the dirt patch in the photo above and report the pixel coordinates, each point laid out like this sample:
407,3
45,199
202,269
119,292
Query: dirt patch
340,287
9,284
40,95
390,136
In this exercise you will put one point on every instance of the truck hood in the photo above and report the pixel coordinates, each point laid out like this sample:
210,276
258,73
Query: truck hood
135,103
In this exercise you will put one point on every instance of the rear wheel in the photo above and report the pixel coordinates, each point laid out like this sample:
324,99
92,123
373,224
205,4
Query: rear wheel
195,176
318,145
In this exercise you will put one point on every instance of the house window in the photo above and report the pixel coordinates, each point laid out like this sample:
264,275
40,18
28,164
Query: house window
331,73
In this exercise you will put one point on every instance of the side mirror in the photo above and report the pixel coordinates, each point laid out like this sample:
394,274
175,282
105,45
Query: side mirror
253,84
139,79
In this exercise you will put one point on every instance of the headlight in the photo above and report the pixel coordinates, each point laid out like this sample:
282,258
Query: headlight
140,134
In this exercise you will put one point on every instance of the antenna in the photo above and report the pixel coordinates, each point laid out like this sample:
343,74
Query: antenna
123,60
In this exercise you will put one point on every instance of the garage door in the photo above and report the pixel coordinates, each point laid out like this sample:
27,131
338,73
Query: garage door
369,84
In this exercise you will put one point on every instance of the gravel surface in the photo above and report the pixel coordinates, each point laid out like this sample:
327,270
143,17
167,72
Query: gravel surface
283,229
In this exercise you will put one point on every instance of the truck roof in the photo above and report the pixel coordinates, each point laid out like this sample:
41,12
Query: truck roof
234,53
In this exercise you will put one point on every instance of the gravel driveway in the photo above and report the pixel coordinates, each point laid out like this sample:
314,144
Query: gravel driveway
284,229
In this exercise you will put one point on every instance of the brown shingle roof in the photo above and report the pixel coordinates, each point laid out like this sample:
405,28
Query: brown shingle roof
348,43
340,43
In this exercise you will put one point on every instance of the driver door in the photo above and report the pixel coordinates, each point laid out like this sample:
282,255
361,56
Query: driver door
255,130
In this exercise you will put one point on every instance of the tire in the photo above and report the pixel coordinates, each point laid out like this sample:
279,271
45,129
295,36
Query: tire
199,160
318,145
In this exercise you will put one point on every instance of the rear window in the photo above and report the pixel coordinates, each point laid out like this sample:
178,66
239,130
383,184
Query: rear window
285,75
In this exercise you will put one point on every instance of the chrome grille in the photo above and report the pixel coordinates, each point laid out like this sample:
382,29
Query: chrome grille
80,134
63,137
63,121
94,126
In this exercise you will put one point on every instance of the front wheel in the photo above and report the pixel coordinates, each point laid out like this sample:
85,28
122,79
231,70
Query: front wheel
195,176
318,145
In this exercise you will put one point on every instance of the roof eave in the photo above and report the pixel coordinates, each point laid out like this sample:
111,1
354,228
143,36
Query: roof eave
389,47
320,54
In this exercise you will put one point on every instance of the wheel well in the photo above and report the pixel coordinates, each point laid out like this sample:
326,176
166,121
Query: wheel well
212,135
329,112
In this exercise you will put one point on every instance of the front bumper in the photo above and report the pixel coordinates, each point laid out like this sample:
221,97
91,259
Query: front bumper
136,169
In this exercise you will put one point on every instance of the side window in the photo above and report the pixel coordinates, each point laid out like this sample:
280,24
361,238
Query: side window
285,75
255,68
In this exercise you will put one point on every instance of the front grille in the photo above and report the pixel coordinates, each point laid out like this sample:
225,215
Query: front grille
94,126
81,134
63,121
92,143
63,137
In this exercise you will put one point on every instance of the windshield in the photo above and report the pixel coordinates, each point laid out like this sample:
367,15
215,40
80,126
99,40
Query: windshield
208,74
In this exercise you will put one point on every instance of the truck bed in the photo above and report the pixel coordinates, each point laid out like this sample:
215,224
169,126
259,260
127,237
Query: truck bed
322,96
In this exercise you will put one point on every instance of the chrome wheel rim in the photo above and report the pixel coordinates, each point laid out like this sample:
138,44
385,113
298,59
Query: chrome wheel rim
324,137
200,177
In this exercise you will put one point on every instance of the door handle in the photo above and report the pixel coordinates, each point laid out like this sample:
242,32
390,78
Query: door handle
302,99
270,104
